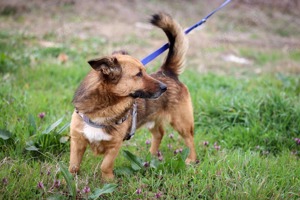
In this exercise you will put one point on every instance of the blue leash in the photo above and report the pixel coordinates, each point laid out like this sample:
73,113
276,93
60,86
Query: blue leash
159,51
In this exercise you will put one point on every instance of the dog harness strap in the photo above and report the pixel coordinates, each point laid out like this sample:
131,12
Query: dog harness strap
133,122
123,119
159,51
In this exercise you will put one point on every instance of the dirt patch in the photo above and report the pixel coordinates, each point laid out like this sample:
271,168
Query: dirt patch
239,25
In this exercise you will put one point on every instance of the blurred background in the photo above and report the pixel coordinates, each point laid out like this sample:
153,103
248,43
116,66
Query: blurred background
247,36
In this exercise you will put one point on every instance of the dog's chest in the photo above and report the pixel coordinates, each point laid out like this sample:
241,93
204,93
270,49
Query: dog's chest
95,134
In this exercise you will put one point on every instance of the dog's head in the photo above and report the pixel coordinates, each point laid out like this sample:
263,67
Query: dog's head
126,76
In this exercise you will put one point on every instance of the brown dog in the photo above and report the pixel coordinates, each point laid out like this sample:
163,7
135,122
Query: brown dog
105,101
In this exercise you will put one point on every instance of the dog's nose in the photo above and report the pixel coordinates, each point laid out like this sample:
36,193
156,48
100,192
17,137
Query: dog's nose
163,87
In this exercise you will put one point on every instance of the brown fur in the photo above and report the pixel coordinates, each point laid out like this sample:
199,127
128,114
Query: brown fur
115,82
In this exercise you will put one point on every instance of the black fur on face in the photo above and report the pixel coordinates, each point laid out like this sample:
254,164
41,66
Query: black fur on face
147,95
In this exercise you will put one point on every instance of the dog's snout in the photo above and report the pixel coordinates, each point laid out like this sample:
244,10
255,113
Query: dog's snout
163,87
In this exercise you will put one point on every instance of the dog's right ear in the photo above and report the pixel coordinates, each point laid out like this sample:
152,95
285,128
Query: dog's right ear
109,67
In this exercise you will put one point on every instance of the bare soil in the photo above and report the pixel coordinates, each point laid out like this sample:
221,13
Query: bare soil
240,25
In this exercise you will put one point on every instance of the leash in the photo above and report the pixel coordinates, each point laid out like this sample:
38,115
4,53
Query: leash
159,51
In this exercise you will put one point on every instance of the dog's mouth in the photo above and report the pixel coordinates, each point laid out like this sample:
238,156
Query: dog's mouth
146,95
149,95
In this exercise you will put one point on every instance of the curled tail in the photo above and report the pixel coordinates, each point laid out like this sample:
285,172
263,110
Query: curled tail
178,44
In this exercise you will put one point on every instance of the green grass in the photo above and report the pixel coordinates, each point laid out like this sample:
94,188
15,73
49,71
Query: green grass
254,120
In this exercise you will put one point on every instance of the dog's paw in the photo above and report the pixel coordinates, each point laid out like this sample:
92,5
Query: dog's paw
73,169
107,177
189,161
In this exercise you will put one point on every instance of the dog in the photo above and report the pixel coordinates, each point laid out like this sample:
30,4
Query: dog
117,96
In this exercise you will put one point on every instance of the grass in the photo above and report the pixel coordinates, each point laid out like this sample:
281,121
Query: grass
245,130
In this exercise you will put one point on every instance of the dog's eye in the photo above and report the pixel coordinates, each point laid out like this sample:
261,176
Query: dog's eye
140,74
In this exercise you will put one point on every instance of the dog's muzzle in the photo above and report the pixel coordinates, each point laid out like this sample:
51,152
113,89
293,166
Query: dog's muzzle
149,95
163,87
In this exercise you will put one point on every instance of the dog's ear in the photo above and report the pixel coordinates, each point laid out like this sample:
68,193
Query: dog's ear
109,67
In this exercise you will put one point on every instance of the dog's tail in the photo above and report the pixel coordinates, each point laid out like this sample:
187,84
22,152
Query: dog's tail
178,43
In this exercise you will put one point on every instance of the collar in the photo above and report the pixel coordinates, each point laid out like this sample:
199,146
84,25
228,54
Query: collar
89,122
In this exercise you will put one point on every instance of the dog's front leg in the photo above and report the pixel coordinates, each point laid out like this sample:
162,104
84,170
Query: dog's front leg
78,147
108,162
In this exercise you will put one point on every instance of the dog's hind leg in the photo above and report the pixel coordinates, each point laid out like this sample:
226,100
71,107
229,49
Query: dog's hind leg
157,135
182,120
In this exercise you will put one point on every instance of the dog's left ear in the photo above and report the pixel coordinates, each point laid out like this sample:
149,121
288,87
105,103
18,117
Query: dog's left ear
109,67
